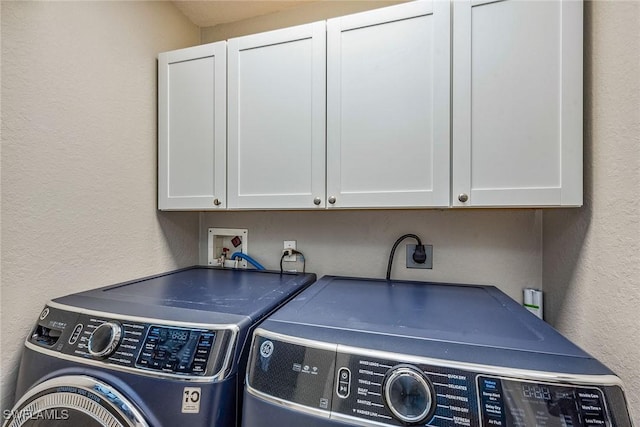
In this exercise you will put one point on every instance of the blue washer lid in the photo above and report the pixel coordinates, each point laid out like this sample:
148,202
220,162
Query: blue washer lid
234,292
472,315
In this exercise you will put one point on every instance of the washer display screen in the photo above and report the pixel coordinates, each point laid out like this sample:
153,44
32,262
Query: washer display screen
524,403
176,350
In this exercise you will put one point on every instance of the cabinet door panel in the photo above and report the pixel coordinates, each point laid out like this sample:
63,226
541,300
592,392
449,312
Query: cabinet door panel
517,103
388,107
192,127
276,118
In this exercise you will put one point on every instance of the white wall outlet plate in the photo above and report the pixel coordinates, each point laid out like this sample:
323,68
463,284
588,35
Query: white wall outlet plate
290,244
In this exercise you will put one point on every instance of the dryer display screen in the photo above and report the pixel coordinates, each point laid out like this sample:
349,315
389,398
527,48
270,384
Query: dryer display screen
511,402
176,350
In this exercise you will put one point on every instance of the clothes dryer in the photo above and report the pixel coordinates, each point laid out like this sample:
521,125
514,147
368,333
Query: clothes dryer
168,350
365,352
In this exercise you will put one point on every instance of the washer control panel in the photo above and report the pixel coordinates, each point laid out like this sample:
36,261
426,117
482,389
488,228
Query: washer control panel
395,392
153,347
366,387
511,402
176,349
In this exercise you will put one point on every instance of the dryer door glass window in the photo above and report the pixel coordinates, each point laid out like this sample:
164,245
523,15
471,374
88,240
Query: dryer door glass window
74,401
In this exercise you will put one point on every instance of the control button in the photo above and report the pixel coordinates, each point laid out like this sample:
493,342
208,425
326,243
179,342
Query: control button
76,333
344,383
198,368
143,362
206,339
155,364
169,366
182,367
202,352
104,340
408,394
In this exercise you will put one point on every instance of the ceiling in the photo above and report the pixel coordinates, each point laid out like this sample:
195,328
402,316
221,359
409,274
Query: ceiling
208,13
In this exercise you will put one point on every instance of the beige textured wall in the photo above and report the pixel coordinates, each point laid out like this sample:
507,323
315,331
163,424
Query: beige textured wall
79,155
494,247
592,255
303,14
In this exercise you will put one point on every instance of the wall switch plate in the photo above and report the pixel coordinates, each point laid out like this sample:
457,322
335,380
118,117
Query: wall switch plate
290,244
428,264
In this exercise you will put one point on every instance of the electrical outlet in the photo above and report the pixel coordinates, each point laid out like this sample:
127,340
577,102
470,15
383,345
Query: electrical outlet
290,244
428,249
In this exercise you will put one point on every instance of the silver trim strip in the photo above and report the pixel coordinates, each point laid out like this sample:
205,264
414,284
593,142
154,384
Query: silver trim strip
218,376
514,373
140,319
109,394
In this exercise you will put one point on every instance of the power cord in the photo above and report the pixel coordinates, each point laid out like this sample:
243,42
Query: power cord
289,252
419,255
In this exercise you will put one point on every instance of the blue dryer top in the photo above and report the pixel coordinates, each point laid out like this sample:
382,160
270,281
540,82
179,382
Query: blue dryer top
196,294
443,320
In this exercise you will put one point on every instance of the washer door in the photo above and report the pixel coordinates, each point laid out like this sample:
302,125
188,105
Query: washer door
73,401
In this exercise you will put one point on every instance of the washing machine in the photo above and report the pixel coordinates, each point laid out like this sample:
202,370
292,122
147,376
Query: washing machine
365,352
168,350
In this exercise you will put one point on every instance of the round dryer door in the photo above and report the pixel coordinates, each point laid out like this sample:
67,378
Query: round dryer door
74,400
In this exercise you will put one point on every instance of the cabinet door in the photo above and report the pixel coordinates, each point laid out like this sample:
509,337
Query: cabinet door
517,103
388,83
277,118
192,128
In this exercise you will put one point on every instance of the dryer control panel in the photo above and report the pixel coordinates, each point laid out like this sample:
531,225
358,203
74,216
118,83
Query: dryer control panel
367,387
182,350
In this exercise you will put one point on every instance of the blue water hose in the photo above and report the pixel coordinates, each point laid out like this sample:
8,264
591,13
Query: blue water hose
247,258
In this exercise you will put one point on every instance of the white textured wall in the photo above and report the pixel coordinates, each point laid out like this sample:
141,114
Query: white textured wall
494,247
79,155
592,255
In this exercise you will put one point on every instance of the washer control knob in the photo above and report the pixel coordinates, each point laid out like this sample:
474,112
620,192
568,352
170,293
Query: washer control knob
104,340
408,394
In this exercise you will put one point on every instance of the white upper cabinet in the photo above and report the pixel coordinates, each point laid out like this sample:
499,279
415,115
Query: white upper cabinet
276,107
517,103
192,128
388,103
434,103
